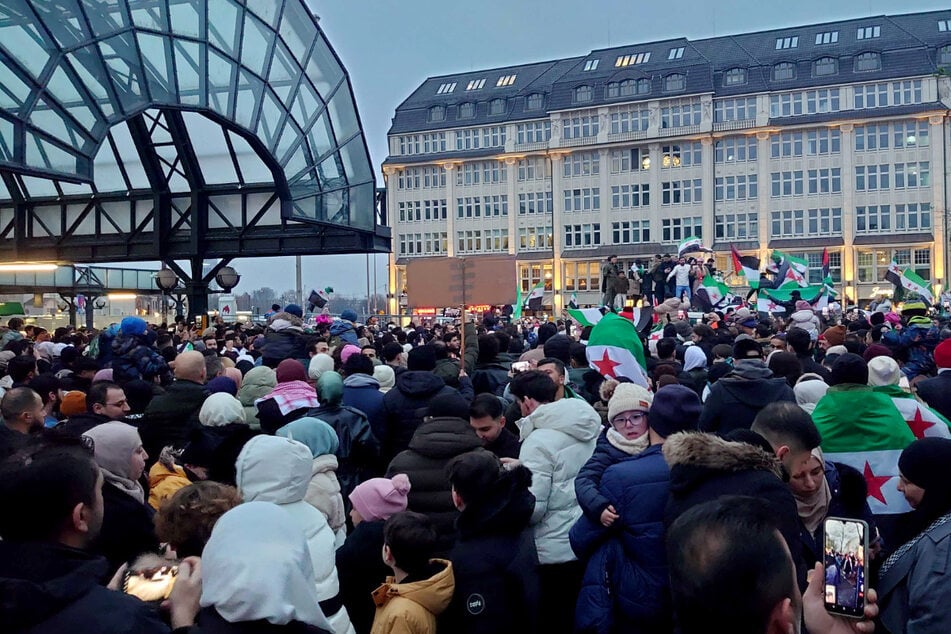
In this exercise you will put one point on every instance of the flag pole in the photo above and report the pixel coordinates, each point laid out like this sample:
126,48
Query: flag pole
462,338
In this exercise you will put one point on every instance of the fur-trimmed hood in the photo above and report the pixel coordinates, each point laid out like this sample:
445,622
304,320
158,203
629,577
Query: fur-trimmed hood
712,453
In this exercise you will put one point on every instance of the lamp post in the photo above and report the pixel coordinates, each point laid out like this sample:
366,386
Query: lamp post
227,278
167,280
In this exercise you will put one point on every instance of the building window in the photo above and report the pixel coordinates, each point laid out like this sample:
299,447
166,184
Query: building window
446,88
629,160
582,199
583,94
630,232
868,62
582,276
676,53
630,60
580,127
944,26
873,265
535,101
505,80
535,238
679,115
582,164
912,175
591,64
497,106
630,196
787,42
677,229
829,37
784,71
897,93
735,149
910,134
484,172
868,32
675,82
530,169
583,235
741,187
737,226
872,177
478,241
629,120
683,155
944,54
533,203
787,183
734,77
643,86
741,109
475,84
825,181
437,113
533,132
467,110
684,192
794,104
825,66
805,223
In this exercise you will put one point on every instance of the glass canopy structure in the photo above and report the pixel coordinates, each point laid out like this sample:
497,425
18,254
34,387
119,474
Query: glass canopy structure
178,130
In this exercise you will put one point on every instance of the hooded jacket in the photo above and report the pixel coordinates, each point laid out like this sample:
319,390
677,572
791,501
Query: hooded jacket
342,332
256,384
490,378
435,443
170,417
557,440
411,608
363,392
403,404
494,562
284,340
49,589
737,398
133,358
278,470
805,319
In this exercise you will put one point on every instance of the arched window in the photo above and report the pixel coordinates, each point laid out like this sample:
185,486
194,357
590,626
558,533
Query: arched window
467,110
535,101
497,106
437,113
628,87
734,77
784,71
944,54
583,93
825,66
675,82
643,86
868,61
614,89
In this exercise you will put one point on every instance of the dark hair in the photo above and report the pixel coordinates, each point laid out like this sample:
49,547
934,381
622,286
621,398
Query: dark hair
16,401
799,340
786,423
849,368
358,364
186,518
558,363
85,364
786,365
391,350
743,348
484,405
98,394
422,358
533,384
43,483
877,331
474,474
578,354
213,366
505,339
44,384
488,348
723,350
411,539
20,367
666,347
728,565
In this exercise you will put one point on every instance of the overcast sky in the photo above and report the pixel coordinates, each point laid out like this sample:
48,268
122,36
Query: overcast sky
390,47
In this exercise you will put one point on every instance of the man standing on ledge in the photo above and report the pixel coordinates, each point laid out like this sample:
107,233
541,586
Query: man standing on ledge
609,275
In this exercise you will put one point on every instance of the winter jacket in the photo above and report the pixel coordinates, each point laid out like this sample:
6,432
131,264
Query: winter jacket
506,445
805,319
288,343
50,589
411,607
490,378
11,441
134,359
341,333
358,454
435,443
625,585
256,384
210,622
404,406
448,369
737,398
704,467
363,392
76,426
280,472
127,529
919,340
557,439
170,417
360,569
163,483
494,562
588,481
936,392
323,493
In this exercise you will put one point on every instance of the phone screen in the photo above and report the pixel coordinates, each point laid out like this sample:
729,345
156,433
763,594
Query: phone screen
521,366
151,585
846,546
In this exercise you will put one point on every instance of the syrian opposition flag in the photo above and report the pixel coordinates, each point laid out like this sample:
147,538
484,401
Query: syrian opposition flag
911,281
923,421
765,304
866,430
893,275
319,299
747,266
534,299
573,302
784,294
586,316
712,292
825,264
690,245
614,349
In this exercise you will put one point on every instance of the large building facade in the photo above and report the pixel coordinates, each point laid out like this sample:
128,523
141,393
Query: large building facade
825,136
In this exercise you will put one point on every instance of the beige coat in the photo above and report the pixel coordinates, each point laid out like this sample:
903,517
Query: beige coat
323,493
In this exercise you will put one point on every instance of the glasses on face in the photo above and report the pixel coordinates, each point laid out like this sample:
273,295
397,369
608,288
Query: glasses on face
632,420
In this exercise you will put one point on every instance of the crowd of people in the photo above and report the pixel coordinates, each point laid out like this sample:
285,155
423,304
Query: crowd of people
470,478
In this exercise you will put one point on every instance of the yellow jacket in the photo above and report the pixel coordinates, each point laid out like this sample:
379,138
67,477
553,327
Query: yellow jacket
411,608
164,483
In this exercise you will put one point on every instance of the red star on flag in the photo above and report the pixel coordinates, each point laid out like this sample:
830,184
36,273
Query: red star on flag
918,424
772,305
606,365
875,484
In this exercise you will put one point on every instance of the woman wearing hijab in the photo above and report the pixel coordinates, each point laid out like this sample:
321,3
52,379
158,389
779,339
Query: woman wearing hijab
809,389
914,590
828,489
257,575
127,528
695,365
289,400
323,492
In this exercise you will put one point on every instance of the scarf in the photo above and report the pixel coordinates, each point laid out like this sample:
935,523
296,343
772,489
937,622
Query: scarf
630,447
292,396
813,508
898,554
114,443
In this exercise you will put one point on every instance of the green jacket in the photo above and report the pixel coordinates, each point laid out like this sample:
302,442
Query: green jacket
448,369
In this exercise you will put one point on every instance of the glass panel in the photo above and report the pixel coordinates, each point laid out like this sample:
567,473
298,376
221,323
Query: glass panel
297,29
250,90
189,60
290,135
88,67
6,142
320,138
343,114
322,67
223,30
157,60
122,62
252,167
64,21
331,172
40,153
220,74
13,90
149,14
212,151
24,43
270,118
296,163
267,10
186,19
107,18
255,45
283,68
355,161
335,206
53,123
362,206
306,103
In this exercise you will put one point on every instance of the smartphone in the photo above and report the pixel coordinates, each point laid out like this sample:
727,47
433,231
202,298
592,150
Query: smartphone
845,552
521,366
154,584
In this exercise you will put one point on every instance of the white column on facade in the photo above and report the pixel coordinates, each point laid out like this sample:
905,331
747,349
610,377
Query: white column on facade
450,207
709,190
765,187
557,217
392,290
604,158
939,183
511,174
849,256
654,175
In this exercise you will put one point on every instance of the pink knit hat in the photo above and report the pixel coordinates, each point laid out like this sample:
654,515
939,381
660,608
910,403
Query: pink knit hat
347,351
379,498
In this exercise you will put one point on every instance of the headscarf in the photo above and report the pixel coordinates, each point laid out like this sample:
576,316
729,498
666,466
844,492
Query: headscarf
924,463
694,357
290,370
814,508
330,388
809,392
385,376
221,384
221,409
319,364
235,375
114,443
103,375
319,437
257,566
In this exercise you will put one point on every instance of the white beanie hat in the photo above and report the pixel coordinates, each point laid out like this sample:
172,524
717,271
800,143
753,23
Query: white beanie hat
883,371
319,364
629,397
221,409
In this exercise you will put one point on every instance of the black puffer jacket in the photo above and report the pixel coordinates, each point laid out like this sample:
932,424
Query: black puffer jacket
737,398
361,570
404,406
490,378
289,343
49,589
127,528
170,417
358,454
435,443
133,359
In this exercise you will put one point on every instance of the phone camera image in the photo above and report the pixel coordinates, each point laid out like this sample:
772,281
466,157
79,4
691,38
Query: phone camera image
846,545
151,585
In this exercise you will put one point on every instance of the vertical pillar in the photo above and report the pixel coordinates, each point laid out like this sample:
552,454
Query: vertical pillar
849,257
197,290
511,174
939,183
765,189
451,208
392,292
709,191
557,217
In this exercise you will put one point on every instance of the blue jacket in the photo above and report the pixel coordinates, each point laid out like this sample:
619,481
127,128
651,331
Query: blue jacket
592,500
920,341
625,585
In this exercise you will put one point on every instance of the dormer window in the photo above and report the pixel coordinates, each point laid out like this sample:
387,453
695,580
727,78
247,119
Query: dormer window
497,106
583,94
784,71
734,77
535,101
437,113
675,82
867,62
467,110
825,66
783,43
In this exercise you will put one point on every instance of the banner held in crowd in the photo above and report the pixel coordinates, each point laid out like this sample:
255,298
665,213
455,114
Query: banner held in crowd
615,350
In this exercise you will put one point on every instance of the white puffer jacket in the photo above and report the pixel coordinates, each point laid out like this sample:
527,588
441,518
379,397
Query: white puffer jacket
323,493
805,319
557,440
278,470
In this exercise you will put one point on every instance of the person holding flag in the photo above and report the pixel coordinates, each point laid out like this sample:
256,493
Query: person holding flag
919,337
681,276
609,276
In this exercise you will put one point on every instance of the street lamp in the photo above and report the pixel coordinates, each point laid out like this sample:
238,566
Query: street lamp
227,278
167,281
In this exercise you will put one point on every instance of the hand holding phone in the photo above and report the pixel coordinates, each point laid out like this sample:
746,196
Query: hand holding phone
844,561
521,366
152,584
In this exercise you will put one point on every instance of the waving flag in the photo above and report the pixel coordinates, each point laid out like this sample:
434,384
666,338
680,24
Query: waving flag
534,299
573,302
712,293
615,350
893,275
913,282
517,306
747,266
319,299
690,245
765,304
586,316
825,263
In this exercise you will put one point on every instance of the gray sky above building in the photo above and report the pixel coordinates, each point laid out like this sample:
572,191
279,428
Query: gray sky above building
390,47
